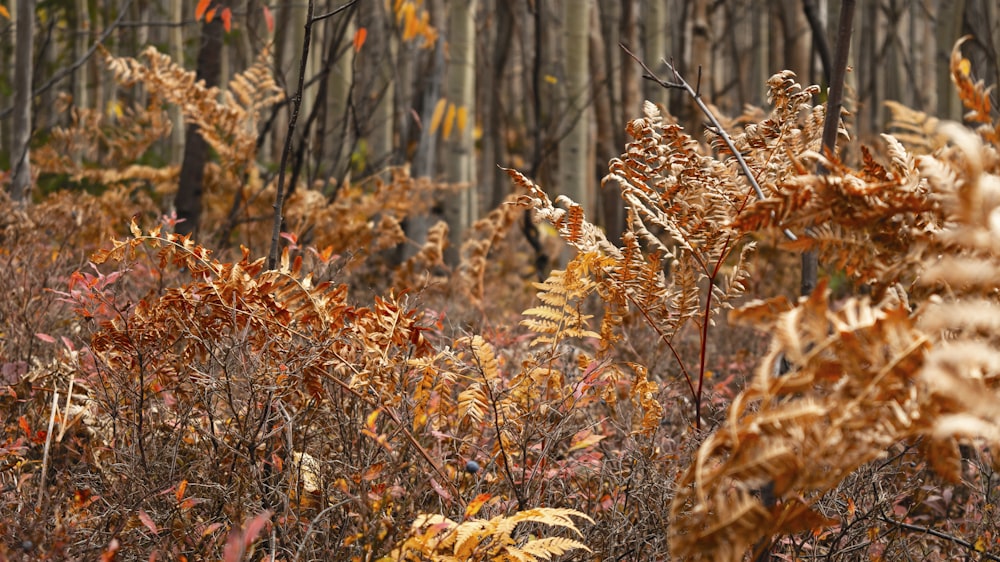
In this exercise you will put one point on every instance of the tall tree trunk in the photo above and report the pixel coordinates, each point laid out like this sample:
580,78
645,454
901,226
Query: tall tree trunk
463,210
947,30
375,86
336,131
654,46
23,66
629,36
610,201
494,181
189,191
176,50
761,46
81,40
699,71
574,180
610,20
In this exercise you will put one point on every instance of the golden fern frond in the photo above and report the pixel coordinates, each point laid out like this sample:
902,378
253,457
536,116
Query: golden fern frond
863,376
473,403
106,148
437,538
546,548
429,258
229,125
974,94
915,129
562,295
487,234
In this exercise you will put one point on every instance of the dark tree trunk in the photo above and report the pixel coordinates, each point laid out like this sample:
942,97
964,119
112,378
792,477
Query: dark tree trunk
192,174
19,157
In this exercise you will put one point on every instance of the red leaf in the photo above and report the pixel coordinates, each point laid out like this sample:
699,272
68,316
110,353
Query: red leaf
239,541
111,552
268,19
255,526
23,422
359,38
148,522
199,11
227,19
45,338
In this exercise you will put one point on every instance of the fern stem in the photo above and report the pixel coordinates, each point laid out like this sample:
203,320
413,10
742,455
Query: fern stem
666,340
716,126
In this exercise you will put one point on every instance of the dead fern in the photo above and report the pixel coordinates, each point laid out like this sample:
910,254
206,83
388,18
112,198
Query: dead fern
440,539
864,376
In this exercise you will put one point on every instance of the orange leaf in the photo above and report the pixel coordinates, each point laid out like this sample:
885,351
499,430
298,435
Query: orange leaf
359,38
210,15
475,505
268,19
4,12
199,11
227,19
181,488
372,472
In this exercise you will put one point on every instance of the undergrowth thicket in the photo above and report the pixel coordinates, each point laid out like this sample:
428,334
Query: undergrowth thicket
658,397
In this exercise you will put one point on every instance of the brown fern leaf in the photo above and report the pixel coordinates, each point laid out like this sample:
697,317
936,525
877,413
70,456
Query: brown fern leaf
863,376
974,94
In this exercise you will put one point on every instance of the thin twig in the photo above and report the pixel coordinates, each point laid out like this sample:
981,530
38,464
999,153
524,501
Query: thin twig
940,535
279,197
335,11
45,454
682,84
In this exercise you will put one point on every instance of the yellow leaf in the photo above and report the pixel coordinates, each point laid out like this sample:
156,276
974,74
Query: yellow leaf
460,118
114,109
449,121
965,67
438,114
584,440
410,23
981,544
551,79
370,420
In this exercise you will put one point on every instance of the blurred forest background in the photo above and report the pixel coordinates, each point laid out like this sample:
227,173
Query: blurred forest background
387,128
456,88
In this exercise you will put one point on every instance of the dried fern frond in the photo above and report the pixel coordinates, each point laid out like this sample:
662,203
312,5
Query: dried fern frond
105,149
863,376
437,538
229,124
974,94
847,398
559,316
